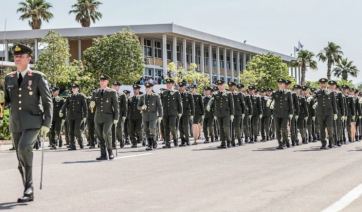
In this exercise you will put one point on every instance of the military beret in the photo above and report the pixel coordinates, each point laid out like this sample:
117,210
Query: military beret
270,89
193,86
182,84
304,88
135,86
117,83
104,76
323,80
297,87
251,87
126,92
220,82
170,80
207,88
345,86
231,84
280,80
21,49
240,86
262,90
148,85
56,89
75,85
288,82
332,82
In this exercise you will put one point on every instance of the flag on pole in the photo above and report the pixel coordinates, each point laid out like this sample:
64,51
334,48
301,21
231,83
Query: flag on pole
296,49
300,46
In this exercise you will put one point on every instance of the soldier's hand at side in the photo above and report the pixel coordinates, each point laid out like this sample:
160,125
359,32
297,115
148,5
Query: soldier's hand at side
179,115
215,117
2,97
1,121
44,130
306,118
261,116
360,101
360,117
115,122
191,117
202,117
144,107
249,116
232,117
92,104
290,116
315,105
309,99
313,118
242,116
296,117
123,118
208,108
63,120
353,118
335,117
159,119
272,106
84,120
61,114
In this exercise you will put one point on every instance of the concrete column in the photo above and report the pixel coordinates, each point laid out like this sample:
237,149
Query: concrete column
6,51
244,61
174,51
202,58
193,51
79,49
189,57
153,51
218,62
143,45
36,49
225,66
300,75
164,54
296,74
232,65
238,66
210,63
184,61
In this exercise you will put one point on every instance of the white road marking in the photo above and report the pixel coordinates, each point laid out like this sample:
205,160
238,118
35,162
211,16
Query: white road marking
130,156
345,200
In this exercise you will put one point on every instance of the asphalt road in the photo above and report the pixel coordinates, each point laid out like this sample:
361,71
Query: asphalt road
254,177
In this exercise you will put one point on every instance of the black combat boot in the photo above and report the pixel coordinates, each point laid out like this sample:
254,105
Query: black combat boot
263,139
149,146
293,143
28,186
110,154
103,153
154,143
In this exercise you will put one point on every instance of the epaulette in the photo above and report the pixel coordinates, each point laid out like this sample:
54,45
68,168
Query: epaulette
37,72
328,91
11,73
287,91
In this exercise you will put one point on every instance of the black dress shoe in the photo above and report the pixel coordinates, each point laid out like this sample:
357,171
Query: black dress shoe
188,143
13,148
246,140
279,147
92,147
88,144
110,154
81,145
26,198
148,148
293,143
101,158
205,142
182,144
288,144
323,147
72,148
134,146
53,148
143,142
155,144
221,147
167,146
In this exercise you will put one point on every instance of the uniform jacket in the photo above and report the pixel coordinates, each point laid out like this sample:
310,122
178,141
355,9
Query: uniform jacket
255,100
208,114
188,106
133,112
350,106
239,103
122,101
154,106
58,102
266,110
339,102
295,103
29,109
248,105
77,107
171,102
107,107
199,106
357,106
90,114
283,104
326,102
223,104
303,107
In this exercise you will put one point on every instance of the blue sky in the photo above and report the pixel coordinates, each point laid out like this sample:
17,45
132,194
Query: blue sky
271,24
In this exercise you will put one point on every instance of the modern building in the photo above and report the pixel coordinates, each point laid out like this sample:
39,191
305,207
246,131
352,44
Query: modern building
218,57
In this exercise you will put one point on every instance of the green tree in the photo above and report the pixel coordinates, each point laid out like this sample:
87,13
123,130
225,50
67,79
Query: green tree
332,53
345,68
119,56
341,82
313,84
36,11
86,11
304,60
264,71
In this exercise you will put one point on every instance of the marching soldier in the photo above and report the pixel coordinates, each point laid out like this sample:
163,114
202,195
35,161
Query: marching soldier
125,127
223,104
340,112
326,111
57,122
187,113
311,115
199,113
256,115
134,118
293,123
266,113
303,114
118,130
248,111
150,104
350,111
355,137
216,125
76,115
90,123
208,125
29,99
172,107
272,123
239,106
107,113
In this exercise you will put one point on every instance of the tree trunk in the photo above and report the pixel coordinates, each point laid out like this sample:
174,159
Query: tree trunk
329,64
303,74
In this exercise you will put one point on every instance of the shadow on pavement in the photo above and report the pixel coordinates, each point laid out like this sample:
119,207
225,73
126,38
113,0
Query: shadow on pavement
210,148
315,149
84,161
357,149
10,205
267,149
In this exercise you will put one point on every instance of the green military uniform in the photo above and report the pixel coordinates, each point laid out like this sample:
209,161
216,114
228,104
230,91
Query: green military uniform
340,111
216,125
199,107
326,109
293,124
172,107
125,127
134,119
282,106
350,112
91,124
248,113
239,107
311,114
27,95
265,119
208,125
118,130
302,117
359,120
255,116
76,112
55,130
223,104
188,111
151,107
272,123
357,115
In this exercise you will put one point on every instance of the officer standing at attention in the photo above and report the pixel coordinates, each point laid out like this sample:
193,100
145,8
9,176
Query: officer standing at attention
350,111
256,115
239,106
57,122
340,111
208,125
76,115
311,114
265,119
29,99
223,104
303,114
187,114
134,117
90,123
118,130
282,105
326,111
172,107
125,127
107,113
150,104
293,124
199,113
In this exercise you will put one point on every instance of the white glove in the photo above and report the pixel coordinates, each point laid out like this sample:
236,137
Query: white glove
232,117
2,97
44,130
123,118
315,105
250,116
290,116
272,106
360,101
313,118
115,122
271,116
215,117
92,104
191,117
306,118
159,119
268,102
296,117
60,114
179,115
266,98
261,116
208,108
353,118
360,117
84,120
335,117
202,117
63,120
242,116
309,99
144,107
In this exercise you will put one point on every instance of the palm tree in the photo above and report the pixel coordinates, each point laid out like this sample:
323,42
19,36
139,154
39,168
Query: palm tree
332,54
36,11
304,60
85,11
345,68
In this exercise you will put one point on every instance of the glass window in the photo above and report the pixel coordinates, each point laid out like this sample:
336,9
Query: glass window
158,50
148,48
